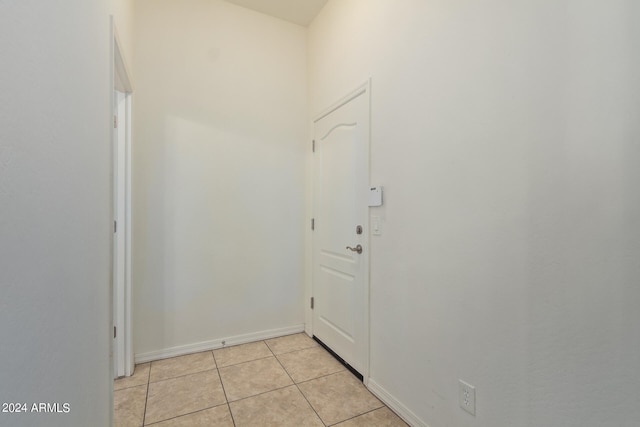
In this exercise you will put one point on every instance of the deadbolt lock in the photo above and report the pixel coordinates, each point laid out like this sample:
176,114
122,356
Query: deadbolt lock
359,229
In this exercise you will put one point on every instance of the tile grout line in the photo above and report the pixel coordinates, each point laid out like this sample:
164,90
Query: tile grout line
347,419
322,376
223,390
127,388
247,361
298,388
313,345
226,399
342,367
184,415
203,409
115,380
220,379
146,397
325,376
182,375
263,392
227,403
356,416
171,378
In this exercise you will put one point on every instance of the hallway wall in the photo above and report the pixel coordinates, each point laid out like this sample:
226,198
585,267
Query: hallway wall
506,136
220,123
123,12
56,219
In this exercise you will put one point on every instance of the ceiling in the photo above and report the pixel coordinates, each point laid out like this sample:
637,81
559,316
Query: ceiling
299,12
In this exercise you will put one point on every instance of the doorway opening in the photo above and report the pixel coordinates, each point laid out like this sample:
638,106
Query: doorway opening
122,347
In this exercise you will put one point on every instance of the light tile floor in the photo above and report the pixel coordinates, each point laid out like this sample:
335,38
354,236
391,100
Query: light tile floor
286,381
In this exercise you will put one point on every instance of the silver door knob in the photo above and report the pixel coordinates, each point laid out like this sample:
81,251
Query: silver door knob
356,249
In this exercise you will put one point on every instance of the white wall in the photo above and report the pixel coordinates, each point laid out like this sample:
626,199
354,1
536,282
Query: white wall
506,136
123,10
55,210
218,159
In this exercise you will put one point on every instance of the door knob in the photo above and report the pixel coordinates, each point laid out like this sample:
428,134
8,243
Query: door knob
356,249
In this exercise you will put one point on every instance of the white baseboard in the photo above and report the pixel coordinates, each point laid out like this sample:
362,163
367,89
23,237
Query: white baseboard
395,405
215,344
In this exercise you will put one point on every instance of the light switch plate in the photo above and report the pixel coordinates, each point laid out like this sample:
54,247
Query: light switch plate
375,225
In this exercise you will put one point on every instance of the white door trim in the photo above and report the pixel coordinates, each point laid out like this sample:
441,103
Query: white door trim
363,89
129,355
121,301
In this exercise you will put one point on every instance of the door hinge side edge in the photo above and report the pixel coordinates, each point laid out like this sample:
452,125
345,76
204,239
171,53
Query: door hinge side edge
312,303
313,224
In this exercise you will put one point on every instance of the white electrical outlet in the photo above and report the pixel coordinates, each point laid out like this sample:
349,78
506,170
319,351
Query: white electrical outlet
467,397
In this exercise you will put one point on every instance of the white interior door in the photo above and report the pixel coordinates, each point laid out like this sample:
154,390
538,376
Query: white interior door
340,274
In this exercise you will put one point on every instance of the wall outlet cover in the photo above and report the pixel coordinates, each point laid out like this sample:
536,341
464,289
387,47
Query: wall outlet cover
467,397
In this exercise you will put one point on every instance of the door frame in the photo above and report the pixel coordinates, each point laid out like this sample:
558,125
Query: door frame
364,347
121,298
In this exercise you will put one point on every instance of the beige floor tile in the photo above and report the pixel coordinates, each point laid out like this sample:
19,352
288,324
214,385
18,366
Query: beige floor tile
304,365
383,417
251,378
280,408
140,377
214,417
183,395
128,406
290,343
181,365
339,397
241,353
